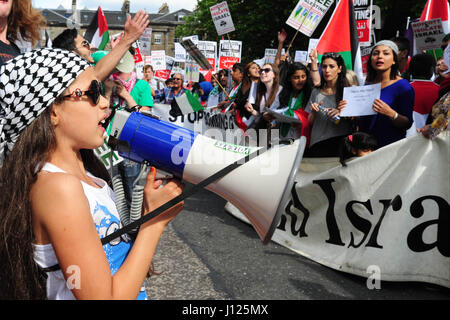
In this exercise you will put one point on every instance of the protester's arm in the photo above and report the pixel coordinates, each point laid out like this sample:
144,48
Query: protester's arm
62,210
133,30
315,75
281,39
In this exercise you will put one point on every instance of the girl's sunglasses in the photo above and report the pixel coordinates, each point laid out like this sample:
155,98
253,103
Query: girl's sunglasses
94,92
266,70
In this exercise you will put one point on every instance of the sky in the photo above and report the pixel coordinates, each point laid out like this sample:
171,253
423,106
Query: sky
150,6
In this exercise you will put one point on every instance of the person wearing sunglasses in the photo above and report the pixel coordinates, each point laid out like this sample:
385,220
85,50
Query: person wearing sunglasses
134,27
324,107
175,90
56,201
18,18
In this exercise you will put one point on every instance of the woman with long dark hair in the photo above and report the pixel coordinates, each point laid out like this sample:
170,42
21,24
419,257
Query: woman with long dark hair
245,94
324,108
56,202
395,106
294,98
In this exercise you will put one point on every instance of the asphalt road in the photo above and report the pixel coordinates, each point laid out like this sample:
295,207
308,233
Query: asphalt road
207,254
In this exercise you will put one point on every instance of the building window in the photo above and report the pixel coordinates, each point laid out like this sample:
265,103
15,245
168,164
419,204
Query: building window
157,38
181,17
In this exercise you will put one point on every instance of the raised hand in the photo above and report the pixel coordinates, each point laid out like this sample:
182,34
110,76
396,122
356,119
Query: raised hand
135,27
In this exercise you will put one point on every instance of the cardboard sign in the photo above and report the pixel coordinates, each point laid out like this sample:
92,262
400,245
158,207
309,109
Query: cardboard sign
165,74
428,35
308,14
222,18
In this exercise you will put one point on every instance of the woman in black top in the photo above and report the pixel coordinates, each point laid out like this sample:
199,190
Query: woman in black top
17,17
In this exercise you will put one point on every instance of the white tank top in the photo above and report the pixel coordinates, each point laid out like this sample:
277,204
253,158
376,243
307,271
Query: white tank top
106,219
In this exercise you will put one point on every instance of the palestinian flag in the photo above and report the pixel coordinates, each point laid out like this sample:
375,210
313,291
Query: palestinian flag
437,9
341,36
97,31
186,103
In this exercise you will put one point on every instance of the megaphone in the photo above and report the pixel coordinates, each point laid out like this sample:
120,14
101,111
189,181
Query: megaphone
259,188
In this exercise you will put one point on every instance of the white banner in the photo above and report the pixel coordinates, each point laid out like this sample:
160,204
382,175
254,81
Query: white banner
388,211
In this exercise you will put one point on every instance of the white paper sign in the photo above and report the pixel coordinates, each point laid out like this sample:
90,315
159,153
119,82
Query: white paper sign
301,56
360,100
222,18
312,45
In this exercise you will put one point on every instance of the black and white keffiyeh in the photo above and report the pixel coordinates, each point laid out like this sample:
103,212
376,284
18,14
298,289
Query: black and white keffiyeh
29,83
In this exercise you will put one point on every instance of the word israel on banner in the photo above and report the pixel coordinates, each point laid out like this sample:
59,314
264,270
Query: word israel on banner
389,208
308,14
221,16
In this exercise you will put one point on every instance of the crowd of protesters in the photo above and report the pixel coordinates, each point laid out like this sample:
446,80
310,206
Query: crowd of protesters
45,140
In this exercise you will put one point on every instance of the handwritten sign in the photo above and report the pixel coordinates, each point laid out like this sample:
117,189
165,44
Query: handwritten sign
360,100
222,18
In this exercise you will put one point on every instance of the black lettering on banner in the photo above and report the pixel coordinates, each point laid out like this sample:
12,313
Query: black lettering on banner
415,237
359,223
396,205
333,230
299,206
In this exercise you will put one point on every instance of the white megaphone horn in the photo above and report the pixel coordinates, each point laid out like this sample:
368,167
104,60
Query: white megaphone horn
259,188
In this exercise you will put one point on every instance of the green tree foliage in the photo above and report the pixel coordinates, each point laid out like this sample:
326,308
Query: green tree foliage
258,21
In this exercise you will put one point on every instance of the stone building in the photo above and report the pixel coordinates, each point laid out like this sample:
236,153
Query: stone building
163,23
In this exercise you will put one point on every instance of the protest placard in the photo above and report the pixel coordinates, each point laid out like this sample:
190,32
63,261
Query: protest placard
159,60
209,50
360,100
180,53
270,55
307,15
363,17
312,45
146,42
165,74
221,16
301,56
229,56
428,34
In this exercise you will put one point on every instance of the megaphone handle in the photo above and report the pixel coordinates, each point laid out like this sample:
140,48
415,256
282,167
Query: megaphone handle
183,196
